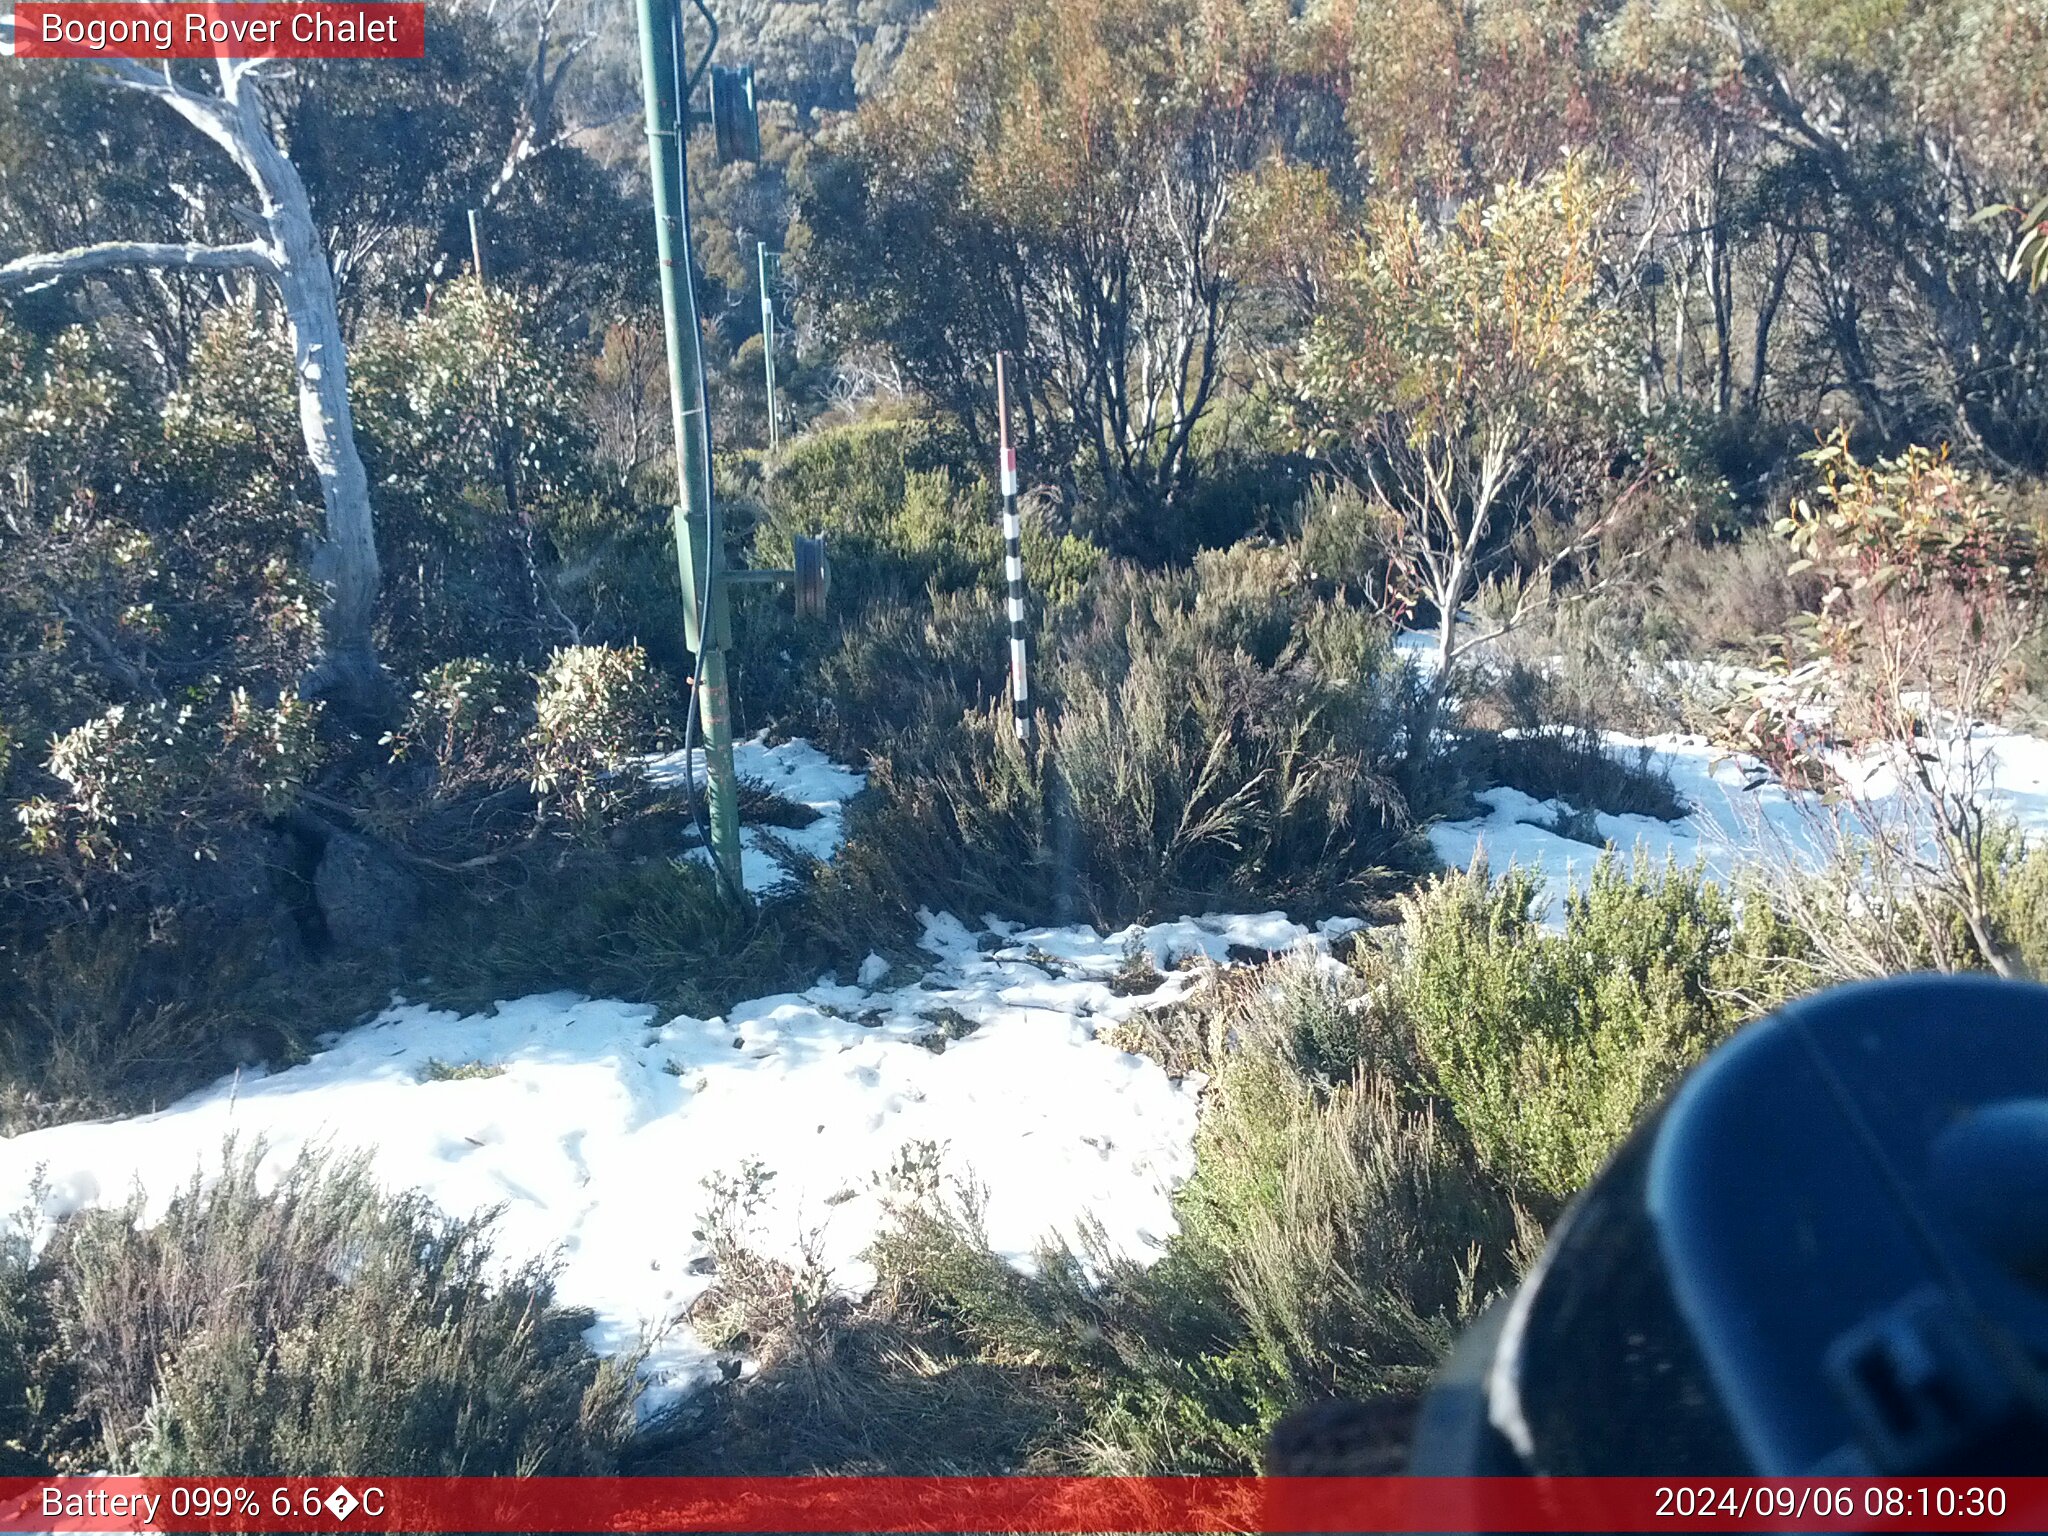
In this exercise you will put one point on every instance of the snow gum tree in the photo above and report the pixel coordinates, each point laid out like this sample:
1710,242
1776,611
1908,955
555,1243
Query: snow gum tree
1874,134
285,247
1064,183
1470,378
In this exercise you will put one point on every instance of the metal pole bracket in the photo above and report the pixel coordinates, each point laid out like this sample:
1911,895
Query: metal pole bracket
811,579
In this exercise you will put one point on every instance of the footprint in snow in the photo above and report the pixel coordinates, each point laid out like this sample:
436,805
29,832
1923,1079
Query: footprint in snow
572,1148
519,1192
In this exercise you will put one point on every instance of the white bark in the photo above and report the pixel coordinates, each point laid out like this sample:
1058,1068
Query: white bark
29,272
288,249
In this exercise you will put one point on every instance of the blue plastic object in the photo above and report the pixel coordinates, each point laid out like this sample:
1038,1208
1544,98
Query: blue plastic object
1826,1255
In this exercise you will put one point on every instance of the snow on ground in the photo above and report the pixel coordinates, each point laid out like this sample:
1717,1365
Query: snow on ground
2011,767
1421,648
794,770
590,1124
602,1119
1736,812
1734,809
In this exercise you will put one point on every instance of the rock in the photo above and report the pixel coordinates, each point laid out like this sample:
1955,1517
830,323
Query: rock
240,881
950,1025
366,897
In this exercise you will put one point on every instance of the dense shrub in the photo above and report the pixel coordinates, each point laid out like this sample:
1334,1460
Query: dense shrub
1349,541
906,664
35,1379
1736,597
1332,1193
460,725
875,1384
1332,1240
915,620
2017,899
152,616
109,1015
471,431
655,927
1543,736
1549,1048
179,774
596,706
321,1328
904,516
1219,736
171,792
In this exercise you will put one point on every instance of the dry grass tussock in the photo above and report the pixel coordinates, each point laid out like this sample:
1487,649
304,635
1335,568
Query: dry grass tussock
304,1325
851,1384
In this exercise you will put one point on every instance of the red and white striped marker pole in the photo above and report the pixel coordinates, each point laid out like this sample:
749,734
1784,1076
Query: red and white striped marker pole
1013,559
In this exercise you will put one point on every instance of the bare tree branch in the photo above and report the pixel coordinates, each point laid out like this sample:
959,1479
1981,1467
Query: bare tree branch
51,266
206,113
291,254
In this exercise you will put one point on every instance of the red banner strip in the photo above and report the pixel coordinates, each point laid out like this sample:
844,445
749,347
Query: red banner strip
1040,1505
206,29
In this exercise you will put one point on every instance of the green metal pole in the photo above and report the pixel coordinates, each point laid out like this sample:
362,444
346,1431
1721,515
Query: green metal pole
768,347
707,624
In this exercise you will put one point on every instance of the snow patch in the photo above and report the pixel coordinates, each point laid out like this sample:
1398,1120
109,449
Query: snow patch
594,1134
1736,812
796,771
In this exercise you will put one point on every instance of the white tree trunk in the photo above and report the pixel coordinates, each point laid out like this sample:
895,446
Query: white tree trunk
346,562
288,250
